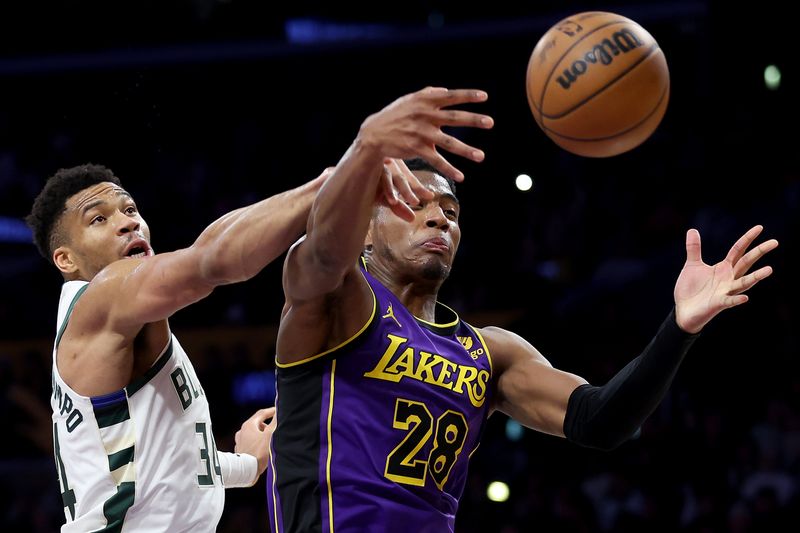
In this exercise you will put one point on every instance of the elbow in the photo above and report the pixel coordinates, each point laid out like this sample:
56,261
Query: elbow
331,271
330,256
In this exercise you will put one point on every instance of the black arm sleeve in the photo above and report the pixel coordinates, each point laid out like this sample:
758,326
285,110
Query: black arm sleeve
605,417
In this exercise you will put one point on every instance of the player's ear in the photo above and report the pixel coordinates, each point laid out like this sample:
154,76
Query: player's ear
368,238
64,260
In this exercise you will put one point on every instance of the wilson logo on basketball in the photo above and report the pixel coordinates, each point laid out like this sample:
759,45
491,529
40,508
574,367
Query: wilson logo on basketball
622,41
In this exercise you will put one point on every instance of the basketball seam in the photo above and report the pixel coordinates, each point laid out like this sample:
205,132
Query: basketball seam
568,50
623,132
590,14
621,75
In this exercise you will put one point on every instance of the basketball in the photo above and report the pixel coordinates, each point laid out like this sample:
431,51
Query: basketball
597,84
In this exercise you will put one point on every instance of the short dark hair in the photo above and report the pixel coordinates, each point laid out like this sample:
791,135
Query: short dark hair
420,164
51,202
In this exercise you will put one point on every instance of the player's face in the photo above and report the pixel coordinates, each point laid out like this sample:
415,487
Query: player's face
427,246
102,225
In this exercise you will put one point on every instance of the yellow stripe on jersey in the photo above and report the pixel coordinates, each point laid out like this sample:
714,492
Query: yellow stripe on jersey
330,447
485,347
447,325
348,341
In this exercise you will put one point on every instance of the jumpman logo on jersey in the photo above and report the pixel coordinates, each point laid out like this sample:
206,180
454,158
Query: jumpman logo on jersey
390,314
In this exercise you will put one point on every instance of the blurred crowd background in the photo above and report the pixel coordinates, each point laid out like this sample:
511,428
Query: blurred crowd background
202,106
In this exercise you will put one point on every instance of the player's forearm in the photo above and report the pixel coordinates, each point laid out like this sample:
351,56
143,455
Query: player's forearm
238,245
604,417
341,213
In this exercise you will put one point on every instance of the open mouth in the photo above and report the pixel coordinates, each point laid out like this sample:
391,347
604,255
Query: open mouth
137,249
136,252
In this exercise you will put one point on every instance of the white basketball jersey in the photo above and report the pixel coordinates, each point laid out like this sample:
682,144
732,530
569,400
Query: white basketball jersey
142,458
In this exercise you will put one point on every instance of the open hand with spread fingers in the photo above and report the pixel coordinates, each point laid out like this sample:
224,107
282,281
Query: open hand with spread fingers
412,126
702,290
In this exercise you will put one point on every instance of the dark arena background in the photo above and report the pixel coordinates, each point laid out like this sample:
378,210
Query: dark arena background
202,106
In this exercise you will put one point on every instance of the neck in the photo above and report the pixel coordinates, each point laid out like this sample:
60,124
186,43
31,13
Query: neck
74,276
417,295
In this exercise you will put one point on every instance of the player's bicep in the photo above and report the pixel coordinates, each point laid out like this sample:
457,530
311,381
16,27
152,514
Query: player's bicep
529,389
152,289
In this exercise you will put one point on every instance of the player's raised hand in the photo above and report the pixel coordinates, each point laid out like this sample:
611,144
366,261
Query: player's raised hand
411,126
702,290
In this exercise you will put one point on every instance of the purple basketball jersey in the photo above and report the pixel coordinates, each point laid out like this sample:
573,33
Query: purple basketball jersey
376,435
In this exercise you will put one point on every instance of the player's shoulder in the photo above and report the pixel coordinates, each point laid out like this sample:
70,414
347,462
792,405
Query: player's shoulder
117,272
507,347
496,334
108,281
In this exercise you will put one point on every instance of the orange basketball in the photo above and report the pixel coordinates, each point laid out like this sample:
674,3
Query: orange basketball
598,84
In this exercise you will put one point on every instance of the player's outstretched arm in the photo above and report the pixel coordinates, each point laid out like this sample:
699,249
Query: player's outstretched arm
233,248
409,127
541,397
536,395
